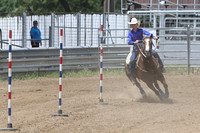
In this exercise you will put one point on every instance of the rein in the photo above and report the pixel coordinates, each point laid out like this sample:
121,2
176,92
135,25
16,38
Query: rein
141,51
139,66
157,44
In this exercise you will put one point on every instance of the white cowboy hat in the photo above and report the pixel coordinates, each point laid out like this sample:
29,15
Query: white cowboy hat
134,21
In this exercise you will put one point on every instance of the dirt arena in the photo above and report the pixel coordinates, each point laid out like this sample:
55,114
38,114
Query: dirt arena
34,101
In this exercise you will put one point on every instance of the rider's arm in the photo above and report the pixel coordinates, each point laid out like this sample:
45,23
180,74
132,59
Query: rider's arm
130,41
32,34
147,33
39,35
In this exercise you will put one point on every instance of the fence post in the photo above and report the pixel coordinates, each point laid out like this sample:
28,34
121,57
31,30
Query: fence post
91,30
85,30
78,28
161,32
104,25
52,30
188,48
24,30
1,39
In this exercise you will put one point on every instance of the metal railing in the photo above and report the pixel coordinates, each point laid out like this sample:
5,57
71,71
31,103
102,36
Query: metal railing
178,47
80,30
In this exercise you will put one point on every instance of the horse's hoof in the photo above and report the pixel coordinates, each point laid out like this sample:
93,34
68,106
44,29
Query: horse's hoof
162,97
166,95
144,96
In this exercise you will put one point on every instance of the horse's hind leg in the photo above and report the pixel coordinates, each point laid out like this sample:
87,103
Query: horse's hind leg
162,80
150,85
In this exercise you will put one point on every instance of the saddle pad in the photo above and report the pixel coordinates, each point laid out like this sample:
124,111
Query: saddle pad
128,58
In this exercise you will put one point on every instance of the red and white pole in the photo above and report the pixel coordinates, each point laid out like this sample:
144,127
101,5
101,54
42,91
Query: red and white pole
101,65
60,76
9,125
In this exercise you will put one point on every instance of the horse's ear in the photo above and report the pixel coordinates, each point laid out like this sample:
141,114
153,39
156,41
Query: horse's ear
151,36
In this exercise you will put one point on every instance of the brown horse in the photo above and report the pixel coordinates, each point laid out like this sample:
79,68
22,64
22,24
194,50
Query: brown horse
148,70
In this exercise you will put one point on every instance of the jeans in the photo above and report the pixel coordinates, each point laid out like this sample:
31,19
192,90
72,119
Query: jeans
34,45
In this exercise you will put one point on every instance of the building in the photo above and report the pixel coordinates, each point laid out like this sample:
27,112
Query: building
162,4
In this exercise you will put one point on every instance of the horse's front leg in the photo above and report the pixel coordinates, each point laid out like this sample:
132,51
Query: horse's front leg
140,88
150,85
158,88
162,80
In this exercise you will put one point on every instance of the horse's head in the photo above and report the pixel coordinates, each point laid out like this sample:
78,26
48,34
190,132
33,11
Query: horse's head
148,45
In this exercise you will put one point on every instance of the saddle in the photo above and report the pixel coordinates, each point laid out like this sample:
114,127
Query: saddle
137,59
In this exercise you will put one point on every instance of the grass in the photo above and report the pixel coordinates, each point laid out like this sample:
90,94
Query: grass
65,74
81,73
85,73
182,71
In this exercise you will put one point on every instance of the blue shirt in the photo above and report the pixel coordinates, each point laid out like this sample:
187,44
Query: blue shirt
138,35
35,34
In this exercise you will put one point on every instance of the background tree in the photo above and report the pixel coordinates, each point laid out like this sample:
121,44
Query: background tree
42,6
7,6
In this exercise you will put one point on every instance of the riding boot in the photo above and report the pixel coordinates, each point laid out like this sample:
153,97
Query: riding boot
160,62
131,67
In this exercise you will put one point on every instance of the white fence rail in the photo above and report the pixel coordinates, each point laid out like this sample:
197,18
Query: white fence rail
41,60
80,30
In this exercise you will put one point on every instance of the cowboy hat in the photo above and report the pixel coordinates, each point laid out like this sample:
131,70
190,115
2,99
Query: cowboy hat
134,21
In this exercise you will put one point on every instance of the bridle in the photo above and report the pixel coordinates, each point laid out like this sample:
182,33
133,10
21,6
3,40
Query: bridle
142,53
157,44
138,45
141,50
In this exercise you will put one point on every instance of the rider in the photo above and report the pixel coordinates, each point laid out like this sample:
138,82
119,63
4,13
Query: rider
136,36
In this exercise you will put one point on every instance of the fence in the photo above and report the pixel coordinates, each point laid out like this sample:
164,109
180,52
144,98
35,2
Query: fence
42,60
80,30
179,46
178,32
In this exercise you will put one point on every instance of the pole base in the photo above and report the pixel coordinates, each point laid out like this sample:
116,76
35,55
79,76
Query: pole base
9,128
60,114
101,100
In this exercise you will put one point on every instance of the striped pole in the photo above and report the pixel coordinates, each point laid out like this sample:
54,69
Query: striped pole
60,76
9,78
60,69
101,65
9,125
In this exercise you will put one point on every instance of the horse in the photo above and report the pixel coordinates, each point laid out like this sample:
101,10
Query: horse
148,70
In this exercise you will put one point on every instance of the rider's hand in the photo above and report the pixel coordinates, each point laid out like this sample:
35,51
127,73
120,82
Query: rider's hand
156,38
137,41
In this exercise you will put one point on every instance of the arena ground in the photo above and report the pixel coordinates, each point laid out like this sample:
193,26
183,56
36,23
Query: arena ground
124,111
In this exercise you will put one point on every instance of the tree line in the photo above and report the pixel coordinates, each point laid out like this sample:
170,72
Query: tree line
42,6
